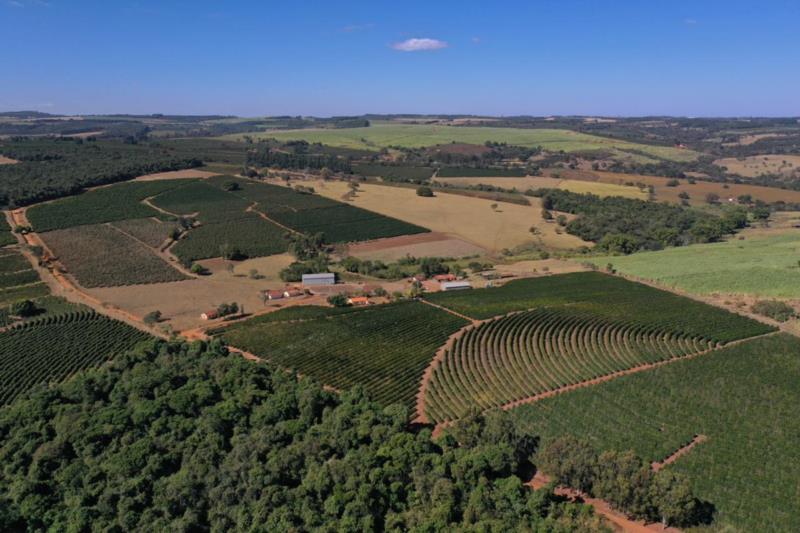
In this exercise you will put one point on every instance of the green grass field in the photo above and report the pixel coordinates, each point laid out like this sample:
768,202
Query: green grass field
743,398
763,266
384,134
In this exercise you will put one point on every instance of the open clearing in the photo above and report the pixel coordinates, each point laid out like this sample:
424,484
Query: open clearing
190,173
759,266
472,219
743,398
727,192
757,165
542,182
7,160
383,134
431,244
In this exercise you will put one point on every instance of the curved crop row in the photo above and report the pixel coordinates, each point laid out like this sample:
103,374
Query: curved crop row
529,353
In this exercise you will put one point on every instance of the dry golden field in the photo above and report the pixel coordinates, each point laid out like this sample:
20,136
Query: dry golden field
189,173
757,165
433,244
543,182
490,225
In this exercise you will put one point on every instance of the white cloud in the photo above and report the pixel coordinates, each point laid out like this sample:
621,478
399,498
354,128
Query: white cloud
690,22
419,45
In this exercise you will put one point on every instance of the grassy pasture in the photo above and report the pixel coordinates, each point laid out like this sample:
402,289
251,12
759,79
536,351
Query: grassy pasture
106,204
385,134
384,348
743,398
100,256
758,165
607,297
758,266
538,182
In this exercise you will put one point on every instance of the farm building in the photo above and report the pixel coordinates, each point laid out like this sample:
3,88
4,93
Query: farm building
293,293
444,277
454,285
210,315
275,295
325,278
419,277
358,300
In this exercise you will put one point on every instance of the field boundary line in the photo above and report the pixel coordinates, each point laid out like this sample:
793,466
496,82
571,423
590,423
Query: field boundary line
252,209
455,313
165,255
677,454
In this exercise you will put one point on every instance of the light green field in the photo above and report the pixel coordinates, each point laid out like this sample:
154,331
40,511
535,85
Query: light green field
759,266
384,134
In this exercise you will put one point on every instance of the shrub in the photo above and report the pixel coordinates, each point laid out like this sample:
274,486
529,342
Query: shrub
152,317
23,309
774,309
425,191
338,300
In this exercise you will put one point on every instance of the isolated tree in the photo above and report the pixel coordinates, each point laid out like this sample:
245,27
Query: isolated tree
338,300
671,493
152,317
23,309
425,191
712,198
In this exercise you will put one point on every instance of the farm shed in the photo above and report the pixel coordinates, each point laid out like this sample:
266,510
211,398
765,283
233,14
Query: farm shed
454,285
210,315
444,277
275,295
326,278
293,293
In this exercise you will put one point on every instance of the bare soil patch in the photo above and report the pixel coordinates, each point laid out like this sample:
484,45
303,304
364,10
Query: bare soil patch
7,160
433,244
189,173
539,267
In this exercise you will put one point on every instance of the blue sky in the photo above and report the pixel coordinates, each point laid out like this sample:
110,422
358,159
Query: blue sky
695,58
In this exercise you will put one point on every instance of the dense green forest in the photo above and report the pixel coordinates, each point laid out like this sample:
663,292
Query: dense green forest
51,168
185,437
624,225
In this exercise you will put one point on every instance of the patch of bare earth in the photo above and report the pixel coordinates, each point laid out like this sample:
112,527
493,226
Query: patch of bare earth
433,244
189,173
7,160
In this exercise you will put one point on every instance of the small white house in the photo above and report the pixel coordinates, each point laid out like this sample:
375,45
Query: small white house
455,285
325,278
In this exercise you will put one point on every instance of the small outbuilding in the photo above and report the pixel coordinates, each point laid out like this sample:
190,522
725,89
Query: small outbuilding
444,277
358,300
210,315
275,295
324,278
454,285
293,293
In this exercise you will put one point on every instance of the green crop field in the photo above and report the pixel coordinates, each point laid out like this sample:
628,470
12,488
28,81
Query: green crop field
6,237
394,173
101,256
384,348
151,231
761,266
607,297
251,235
52,348
106,204
385,134
470,172
743,398
203,201
24,292
523,354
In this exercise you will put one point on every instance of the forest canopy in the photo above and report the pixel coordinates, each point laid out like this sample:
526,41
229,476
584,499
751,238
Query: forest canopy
186,437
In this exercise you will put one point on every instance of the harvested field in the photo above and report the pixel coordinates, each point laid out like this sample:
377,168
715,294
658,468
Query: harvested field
189,173
100,256
472,219
541,182
757,165
431,244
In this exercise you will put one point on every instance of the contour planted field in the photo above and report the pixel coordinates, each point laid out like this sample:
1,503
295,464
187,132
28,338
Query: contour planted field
525,354
151,231
106,204
53,348
607,297
743,398
203,201
384,348
101,256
